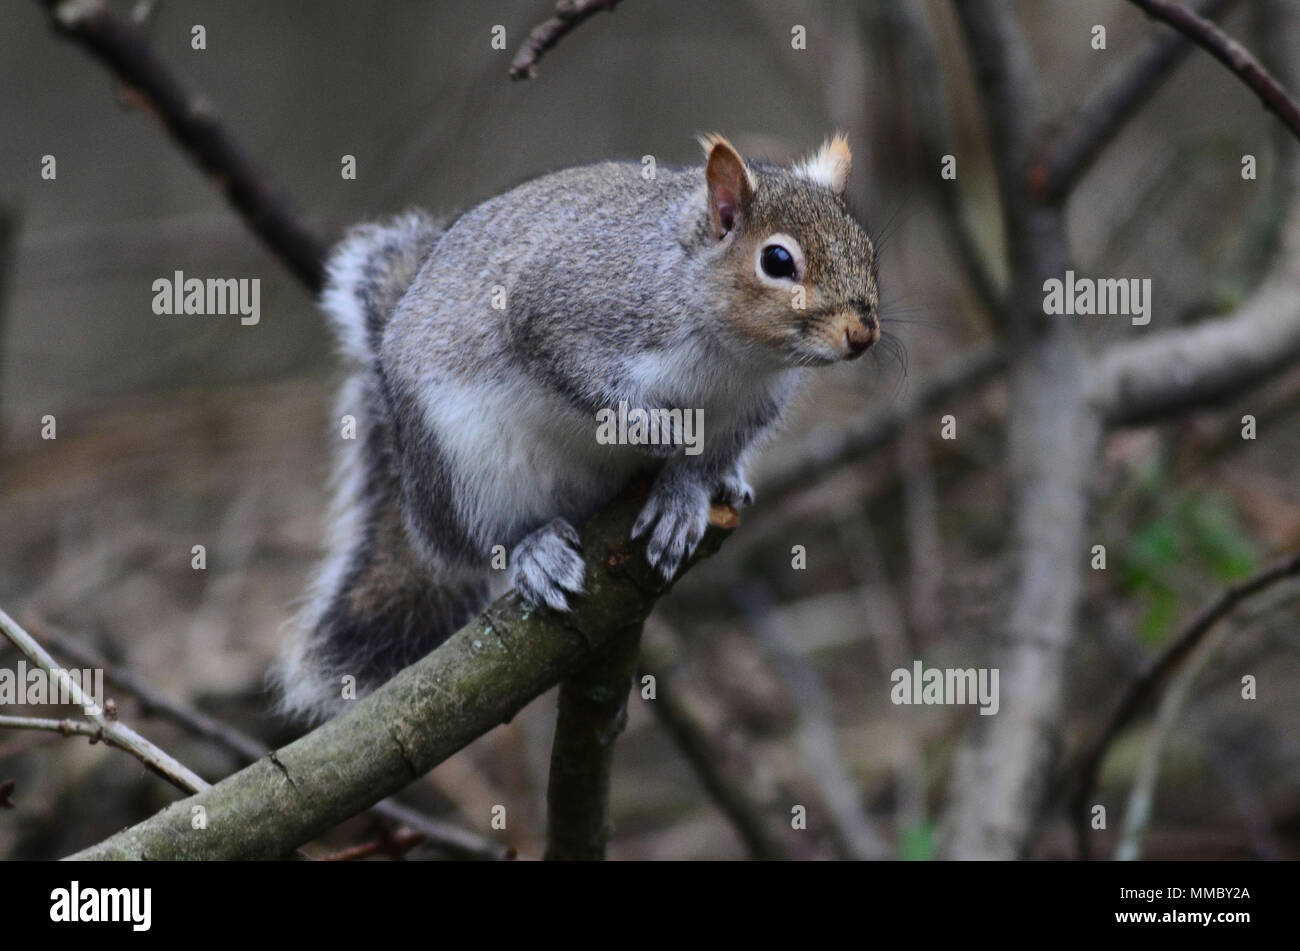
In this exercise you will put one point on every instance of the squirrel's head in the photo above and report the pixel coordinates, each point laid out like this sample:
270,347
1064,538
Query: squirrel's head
799,268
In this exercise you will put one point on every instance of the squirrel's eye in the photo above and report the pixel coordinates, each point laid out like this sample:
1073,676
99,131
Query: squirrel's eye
777,261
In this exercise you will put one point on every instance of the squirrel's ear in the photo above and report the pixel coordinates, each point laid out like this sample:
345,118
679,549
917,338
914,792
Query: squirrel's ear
731,185
829,166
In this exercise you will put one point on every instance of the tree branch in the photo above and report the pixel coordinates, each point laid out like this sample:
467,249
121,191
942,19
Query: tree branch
1000,772
109,730
451,838
1231,54
124,49
1108,107
394,844
728,778
826,451
1150,680
482,676
62,727
923,75
1171,372
591,713
569,14
1141,799
852,829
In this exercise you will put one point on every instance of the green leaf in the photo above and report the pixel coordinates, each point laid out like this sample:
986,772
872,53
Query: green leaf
1161,607
1219,540
916,842
1154,549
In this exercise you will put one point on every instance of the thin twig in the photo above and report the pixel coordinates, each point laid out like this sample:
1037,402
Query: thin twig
728,779
1231,54
63,727
153,702
393,844
454,840
853,830
895,634
569,14
451,838
124,49
923,74
1137,814
112,732
826,451
1135,697
1107,108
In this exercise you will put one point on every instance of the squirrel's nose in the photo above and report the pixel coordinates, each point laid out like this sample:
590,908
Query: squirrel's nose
859,337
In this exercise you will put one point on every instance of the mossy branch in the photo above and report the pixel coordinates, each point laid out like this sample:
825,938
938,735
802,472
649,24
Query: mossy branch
481,677
592,712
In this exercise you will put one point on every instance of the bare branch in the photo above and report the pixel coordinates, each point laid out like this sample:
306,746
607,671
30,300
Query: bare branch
1108,107
1013,110
109,730
923,75
393,844
854,832
1168,373
826,451
727,778
591,713
154,701
569,14
62,727
502,660
121,46
451,838
1137,813
1000,772
447,836
1150,680
1231,54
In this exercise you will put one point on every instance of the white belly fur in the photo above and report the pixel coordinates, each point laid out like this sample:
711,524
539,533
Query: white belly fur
521,457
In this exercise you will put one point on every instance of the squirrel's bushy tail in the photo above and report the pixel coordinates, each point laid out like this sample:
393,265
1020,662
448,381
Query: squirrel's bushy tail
373,607
367,274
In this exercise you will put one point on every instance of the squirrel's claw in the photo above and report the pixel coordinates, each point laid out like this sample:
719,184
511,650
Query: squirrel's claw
733,490
679,511
546,567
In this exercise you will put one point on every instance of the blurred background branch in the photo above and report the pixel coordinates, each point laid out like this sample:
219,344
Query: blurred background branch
121,46
569,14
1231,54
1154,677
1109,106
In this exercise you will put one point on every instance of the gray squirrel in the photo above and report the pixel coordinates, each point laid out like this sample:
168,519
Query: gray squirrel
480,350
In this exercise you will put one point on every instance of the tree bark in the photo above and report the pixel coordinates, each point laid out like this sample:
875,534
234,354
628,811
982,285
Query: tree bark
482,676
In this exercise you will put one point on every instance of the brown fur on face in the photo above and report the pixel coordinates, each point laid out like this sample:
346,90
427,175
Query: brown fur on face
829,312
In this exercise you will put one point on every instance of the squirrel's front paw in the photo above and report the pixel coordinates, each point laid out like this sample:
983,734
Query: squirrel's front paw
546,566
678,509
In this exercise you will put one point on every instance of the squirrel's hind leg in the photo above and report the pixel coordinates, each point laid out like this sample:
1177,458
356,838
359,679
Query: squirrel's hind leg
383,612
